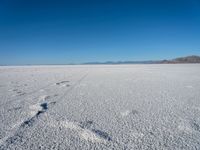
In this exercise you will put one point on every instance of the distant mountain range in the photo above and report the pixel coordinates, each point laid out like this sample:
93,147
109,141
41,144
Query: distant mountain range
188,59
180,60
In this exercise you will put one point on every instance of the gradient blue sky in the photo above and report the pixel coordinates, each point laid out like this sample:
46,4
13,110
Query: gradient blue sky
59,32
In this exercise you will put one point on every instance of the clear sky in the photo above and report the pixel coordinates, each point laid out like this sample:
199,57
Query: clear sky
75,31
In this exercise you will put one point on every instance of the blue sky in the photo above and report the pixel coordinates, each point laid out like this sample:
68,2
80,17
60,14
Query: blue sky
76,31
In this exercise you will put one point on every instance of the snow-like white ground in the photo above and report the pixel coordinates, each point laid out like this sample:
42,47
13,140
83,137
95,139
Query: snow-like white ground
100,107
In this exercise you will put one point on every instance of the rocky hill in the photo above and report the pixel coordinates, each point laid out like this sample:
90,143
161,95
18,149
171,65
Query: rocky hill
187,59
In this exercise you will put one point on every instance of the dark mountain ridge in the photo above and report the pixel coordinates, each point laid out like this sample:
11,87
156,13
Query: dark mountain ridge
179,60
